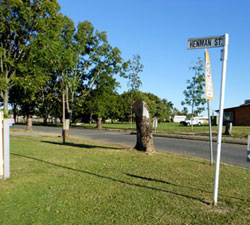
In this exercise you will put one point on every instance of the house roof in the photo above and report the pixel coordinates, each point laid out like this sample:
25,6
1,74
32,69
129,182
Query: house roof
237,107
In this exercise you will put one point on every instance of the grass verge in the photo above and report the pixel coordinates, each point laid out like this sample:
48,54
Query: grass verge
176,128
85,183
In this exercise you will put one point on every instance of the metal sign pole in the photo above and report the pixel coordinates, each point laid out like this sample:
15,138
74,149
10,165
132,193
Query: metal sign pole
210,134
215,42
209,92
223,80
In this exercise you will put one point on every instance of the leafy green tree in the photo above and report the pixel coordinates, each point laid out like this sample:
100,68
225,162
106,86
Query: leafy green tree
134,68
160,108
166,110
134,82
48,100
184,111
61,61
103,100
98,64
47,65
125,104
194,93
154,103
20,23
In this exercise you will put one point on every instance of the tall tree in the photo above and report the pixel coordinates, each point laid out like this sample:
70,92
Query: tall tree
134,82
103,100
166,110
134,68
98,63
194,93
20,23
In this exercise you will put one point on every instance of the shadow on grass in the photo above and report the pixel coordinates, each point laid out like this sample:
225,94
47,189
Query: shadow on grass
81,145
113,179
182,186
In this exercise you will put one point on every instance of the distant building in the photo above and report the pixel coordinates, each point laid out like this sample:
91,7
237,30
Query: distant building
239,116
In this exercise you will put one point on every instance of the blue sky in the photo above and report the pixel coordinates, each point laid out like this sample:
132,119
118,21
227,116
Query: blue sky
158,30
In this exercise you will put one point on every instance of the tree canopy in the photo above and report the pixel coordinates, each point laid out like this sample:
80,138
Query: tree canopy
51,67
194,93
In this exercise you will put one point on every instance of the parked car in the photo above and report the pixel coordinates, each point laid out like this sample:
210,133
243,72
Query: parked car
188,122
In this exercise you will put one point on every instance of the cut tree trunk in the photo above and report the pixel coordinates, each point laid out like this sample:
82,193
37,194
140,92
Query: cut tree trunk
99,123
143,128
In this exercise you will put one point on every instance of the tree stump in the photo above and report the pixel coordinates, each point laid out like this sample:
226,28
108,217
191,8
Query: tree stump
143,127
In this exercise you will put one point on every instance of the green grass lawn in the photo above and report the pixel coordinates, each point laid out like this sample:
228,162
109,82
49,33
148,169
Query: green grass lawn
86,183
176,128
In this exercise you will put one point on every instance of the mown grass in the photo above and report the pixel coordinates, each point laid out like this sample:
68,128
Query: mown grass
176,128
85,183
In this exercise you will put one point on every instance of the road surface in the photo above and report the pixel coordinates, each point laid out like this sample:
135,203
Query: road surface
231,153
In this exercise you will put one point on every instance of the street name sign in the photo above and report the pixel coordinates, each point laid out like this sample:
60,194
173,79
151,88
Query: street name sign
215,42
206,42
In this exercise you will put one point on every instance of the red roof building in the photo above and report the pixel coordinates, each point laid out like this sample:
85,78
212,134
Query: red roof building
239,116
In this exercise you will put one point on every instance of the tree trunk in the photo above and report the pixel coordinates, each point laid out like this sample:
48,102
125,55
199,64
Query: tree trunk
99,123
66,128
192,123
29,123
90,118
64,132
45,120
15,113
5,101
143,128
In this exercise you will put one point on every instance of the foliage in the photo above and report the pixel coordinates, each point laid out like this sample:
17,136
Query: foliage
134,68
21,22
194,93
45,58
160,108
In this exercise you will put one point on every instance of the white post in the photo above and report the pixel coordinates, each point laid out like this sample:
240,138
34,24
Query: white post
1,145
248,149
210,134
223,80
6,133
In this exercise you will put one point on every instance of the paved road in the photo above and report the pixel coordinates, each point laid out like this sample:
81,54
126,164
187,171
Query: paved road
231,154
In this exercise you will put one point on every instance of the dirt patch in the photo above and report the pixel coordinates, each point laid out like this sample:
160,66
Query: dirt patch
219,209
